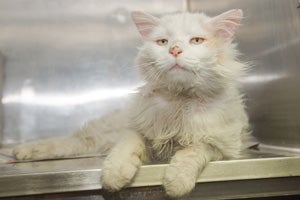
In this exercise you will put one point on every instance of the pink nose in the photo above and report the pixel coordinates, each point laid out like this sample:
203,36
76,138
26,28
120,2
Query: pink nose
175,51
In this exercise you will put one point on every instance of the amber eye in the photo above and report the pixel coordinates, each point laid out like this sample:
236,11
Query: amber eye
197,40
162,42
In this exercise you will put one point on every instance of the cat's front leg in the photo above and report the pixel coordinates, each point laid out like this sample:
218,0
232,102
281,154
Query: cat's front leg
185,166
122,163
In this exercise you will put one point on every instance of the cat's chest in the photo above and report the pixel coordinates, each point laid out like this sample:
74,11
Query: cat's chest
164,106
166,123
168,108
159,116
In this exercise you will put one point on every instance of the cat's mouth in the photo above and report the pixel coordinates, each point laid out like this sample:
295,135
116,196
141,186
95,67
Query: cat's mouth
178,67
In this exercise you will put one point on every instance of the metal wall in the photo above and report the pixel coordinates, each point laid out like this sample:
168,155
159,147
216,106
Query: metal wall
67,61
270,39
70,61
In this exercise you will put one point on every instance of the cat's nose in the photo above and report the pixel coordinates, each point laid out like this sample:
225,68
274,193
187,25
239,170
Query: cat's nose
175,51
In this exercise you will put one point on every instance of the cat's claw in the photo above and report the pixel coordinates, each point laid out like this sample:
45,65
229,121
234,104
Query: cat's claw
177,182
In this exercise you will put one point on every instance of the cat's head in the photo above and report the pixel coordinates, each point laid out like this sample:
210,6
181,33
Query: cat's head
188,50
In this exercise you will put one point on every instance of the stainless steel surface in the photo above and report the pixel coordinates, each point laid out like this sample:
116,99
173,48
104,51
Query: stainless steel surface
67,61
84,174
1,92
270,39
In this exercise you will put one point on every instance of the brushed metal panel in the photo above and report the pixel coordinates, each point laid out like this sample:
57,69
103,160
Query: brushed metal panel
270,39
70,61
1,91
67,61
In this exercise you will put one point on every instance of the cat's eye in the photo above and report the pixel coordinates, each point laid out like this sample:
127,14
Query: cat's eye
162,42
197,40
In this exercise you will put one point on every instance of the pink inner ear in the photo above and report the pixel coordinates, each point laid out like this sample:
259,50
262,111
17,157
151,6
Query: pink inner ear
227,23
144,28
144,22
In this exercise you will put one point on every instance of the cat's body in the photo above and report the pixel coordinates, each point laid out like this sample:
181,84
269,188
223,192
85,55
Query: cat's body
170,123
188,113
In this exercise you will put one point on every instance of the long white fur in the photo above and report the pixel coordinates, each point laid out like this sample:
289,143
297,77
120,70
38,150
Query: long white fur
187,117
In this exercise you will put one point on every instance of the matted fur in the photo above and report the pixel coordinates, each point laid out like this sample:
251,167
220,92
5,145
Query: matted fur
189,111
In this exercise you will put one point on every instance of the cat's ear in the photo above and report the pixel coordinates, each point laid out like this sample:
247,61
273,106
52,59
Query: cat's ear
144,22
226,23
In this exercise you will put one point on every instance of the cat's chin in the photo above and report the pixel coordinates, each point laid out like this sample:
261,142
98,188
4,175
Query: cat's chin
178,68
177,74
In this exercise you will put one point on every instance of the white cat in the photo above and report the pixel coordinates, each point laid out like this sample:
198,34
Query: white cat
188,113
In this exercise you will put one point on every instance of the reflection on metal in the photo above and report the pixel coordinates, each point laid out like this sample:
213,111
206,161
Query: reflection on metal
279,47
29,97
260,78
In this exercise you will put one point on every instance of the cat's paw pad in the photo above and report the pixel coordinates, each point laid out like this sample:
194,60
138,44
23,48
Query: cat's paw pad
32,151
178,182
118,173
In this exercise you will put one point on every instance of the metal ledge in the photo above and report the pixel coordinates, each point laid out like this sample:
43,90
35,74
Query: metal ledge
84,174
150,175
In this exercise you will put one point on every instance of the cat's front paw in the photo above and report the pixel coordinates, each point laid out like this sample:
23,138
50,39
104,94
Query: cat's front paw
33,151
119,172
178,182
